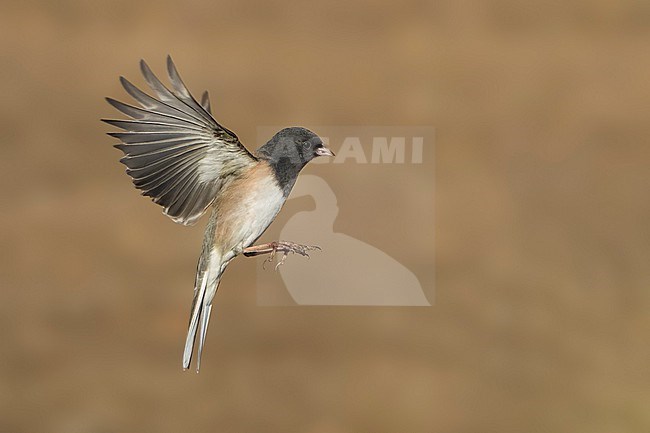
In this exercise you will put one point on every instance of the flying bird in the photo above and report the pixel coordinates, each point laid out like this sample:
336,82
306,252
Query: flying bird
178,155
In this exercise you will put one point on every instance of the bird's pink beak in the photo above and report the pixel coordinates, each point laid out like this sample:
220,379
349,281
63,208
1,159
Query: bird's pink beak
324,151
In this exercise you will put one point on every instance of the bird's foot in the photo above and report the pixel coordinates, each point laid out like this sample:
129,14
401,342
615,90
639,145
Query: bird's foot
284,247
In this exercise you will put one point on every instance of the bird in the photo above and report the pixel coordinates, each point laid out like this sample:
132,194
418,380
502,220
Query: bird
177,154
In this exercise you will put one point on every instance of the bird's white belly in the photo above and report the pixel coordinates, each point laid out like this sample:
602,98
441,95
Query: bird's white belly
260,213
253,209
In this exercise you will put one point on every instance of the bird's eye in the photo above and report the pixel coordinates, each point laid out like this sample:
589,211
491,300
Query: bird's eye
306,145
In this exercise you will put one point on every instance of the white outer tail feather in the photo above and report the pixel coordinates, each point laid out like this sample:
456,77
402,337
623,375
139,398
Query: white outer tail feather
206,287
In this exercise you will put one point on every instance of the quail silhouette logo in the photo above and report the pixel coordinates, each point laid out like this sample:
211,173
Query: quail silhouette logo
350,271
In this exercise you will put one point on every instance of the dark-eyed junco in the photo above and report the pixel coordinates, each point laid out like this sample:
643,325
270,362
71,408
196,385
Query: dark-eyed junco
180,156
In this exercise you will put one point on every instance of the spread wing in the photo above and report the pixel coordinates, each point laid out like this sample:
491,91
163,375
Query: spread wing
174,150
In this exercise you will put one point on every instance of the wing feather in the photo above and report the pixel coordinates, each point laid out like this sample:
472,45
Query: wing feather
205,102
145,137
150,115
152,104
174,150
150,126
134,151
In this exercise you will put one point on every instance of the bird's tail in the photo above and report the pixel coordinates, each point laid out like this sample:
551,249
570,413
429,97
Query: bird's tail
208,275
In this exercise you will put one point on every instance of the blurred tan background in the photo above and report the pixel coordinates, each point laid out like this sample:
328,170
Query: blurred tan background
540,321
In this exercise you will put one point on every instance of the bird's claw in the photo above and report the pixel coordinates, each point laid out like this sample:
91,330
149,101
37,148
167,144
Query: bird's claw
286,248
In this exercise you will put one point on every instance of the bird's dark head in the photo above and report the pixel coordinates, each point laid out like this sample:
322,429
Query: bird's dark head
295,145
289,151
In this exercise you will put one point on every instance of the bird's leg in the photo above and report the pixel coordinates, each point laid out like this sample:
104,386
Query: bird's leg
285,247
